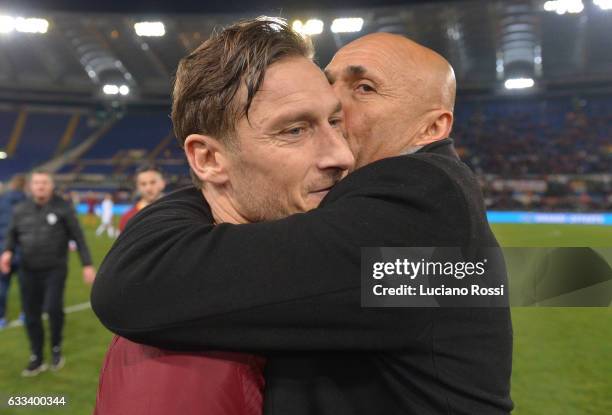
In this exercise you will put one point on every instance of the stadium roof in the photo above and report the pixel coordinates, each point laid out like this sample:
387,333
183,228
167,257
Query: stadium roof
198,6
486,41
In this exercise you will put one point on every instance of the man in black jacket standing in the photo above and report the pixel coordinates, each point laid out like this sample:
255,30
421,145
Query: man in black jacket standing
291,288
42,227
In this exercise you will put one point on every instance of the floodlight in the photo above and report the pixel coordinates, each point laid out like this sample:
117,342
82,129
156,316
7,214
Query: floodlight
110,89
519,83
564,6
150,29
347,25
31,25
311,27
7,24
23,24
603,4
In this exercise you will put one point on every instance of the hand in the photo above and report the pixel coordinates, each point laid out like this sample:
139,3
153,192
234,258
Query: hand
89,274
5,262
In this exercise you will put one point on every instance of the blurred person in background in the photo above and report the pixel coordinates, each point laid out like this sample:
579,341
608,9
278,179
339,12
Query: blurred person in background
106,216
8,200
40,229
75,198
150,185
91,201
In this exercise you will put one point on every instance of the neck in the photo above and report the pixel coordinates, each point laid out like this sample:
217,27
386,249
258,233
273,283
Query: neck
222,206
410,150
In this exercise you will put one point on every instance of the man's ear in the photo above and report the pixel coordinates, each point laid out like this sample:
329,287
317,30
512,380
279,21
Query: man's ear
207,158
438,127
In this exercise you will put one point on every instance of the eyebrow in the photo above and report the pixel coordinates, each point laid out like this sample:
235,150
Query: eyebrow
351,71
301,115
355,70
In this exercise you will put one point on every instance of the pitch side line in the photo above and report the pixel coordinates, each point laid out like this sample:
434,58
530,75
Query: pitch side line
67,310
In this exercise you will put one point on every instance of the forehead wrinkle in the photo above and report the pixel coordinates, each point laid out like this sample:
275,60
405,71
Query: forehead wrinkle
372,64
425,71
280,89
393,51
289,101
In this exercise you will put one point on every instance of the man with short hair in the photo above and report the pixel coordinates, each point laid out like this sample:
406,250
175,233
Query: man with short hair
290,288
41,228
150,186
252,104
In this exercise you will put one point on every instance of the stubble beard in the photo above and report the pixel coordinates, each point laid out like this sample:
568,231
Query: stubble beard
261,203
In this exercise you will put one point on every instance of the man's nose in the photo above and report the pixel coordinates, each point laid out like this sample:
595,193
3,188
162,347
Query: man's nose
335,153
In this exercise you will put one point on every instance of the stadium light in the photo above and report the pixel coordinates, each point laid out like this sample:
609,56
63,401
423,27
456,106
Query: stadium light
347,25
3,155
31,25
7,24
110,89
603,4
519,83
22,24
564,6
311,27
499,65
151,29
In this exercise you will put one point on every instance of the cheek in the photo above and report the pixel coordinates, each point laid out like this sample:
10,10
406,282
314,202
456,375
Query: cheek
289,175
359,125
278,174
265,172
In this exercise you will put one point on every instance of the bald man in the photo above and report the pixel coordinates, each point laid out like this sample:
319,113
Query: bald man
290,289
397,95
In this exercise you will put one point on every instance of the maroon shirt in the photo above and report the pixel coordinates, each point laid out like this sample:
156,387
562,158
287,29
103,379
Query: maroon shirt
128,215
144,380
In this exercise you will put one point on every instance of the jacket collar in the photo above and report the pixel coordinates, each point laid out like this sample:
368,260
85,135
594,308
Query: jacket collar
443,147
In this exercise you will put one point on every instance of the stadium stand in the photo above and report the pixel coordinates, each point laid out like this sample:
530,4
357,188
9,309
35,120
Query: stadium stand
31,137
526,137
548,154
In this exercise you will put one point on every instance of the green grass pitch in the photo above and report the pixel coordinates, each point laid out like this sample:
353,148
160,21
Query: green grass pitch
562,357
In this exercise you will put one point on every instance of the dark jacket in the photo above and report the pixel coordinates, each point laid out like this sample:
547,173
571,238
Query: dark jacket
42,234
8,201
291,289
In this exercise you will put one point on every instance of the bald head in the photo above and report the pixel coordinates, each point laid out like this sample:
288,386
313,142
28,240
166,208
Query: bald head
409,65
396,90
